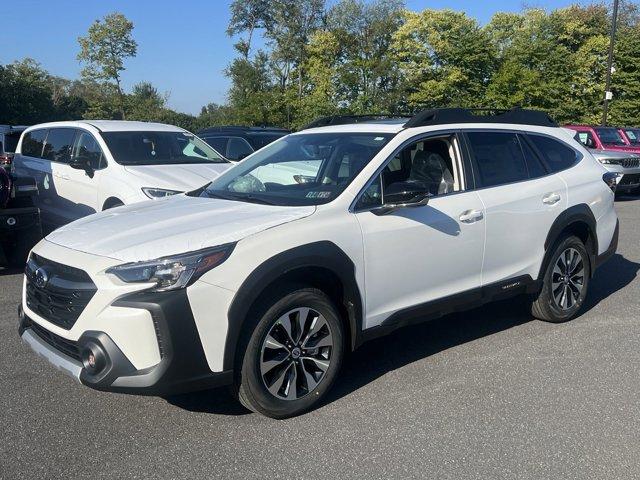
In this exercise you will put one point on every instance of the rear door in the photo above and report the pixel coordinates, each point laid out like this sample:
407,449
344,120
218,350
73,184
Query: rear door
521,197
57,150
30,163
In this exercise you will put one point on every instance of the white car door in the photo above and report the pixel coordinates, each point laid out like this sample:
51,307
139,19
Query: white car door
29,163
415,255
82,184
521,199
57,150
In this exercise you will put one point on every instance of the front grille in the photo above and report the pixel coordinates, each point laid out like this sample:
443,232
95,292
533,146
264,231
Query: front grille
63,345
631,179
630,162
56,292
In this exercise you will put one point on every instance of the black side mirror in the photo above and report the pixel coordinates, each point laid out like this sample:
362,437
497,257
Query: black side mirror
402,195
590,143
83,163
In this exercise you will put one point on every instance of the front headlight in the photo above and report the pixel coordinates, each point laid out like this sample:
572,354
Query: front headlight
174,272
156,193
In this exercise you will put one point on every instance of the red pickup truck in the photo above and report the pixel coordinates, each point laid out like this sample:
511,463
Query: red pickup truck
605,138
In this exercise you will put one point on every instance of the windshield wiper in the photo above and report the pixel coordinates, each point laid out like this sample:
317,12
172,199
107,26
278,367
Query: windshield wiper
239,197
250,198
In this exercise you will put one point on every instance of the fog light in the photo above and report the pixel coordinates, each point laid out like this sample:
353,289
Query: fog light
93,358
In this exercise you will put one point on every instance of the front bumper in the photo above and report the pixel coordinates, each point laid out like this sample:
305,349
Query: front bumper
628,178
183,366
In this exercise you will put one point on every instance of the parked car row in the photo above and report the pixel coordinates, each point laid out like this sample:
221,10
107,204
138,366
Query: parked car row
265,277
618,149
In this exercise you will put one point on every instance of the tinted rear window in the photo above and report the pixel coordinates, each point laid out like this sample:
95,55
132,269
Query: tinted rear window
11,141
33,142
498,157
259,140
557,155
57,148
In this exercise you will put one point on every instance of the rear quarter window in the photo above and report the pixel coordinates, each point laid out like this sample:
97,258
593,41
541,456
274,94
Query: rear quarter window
557,155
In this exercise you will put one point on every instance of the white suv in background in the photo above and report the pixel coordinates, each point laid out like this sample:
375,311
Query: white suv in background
266,285
88,166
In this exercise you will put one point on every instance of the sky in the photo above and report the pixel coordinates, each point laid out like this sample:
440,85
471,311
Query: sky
182,46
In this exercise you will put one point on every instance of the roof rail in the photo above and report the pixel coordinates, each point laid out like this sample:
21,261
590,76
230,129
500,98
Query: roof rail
347,119
438,116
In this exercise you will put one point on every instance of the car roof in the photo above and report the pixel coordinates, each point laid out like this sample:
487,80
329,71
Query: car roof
113,126
240,129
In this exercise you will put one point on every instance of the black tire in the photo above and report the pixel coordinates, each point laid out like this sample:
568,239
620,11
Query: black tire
549,304
250,385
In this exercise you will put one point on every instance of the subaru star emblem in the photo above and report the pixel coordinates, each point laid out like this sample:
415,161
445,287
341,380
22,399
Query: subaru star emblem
40,277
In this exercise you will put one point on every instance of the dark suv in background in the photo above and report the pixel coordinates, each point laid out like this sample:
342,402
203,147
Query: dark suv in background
9,136
234,143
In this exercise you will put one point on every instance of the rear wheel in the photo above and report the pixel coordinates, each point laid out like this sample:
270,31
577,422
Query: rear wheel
565,282
293,355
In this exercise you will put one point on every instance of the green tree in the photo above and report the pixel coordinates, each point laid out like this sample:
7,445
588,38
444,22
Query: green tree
444,57
107,44
367,74
247,16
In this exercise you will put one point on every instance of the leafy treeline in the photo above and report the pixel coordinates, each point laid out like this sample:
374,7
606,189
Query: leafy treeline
363,57
300,59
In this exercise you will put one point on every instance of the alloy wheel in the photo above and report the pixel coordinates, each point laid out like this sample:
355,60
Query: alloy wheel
567,279
296,353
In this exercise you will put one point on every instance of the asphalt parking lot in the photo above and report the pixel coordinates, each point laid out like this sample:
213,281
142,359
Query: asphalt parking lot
486,394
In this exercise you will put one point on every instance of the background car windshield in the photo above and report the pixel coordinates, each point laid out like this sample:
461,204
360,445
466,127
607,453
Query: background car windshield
157,148
303,169
610,136
633,134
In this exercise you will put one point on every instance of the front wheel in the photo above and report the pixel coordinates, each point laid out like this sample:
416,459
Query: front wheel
565,282
292,356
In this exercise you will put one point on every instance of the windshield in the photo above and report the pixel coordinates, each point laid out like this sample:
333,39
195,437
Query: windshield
158,148
610,136
633,134
303,169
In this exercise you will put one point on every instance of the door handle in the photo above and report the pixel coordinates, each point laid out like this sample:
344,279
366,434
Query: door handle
551,199
471,216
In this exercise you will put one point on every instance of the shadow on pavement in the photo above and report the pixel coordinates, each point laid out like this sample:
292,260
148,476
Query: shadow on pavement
614,275
218,401
10,271
407,345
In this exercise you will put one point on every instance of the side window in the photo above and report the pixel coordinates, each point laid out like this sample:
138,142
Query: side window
57,147
86,148
238,148
586,139
429,162
534,165
33,143
219,144
498,157
557,155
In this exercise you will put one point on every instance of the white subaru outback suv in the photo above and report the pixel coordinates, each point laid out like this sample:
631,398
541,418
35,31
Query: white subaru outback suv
266,286
88,166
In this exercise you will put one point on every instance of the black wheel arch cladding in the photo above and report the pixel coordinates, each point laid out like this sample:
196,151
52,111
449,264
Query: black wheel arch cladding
324,256
573,220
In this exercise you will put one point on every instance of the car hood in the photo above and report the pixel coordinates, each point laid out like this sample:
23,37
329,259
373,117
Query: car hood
178,224
182,177
621,148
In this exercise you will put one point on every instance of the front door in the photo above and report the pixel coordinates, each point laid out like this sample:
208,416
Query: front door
416,255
